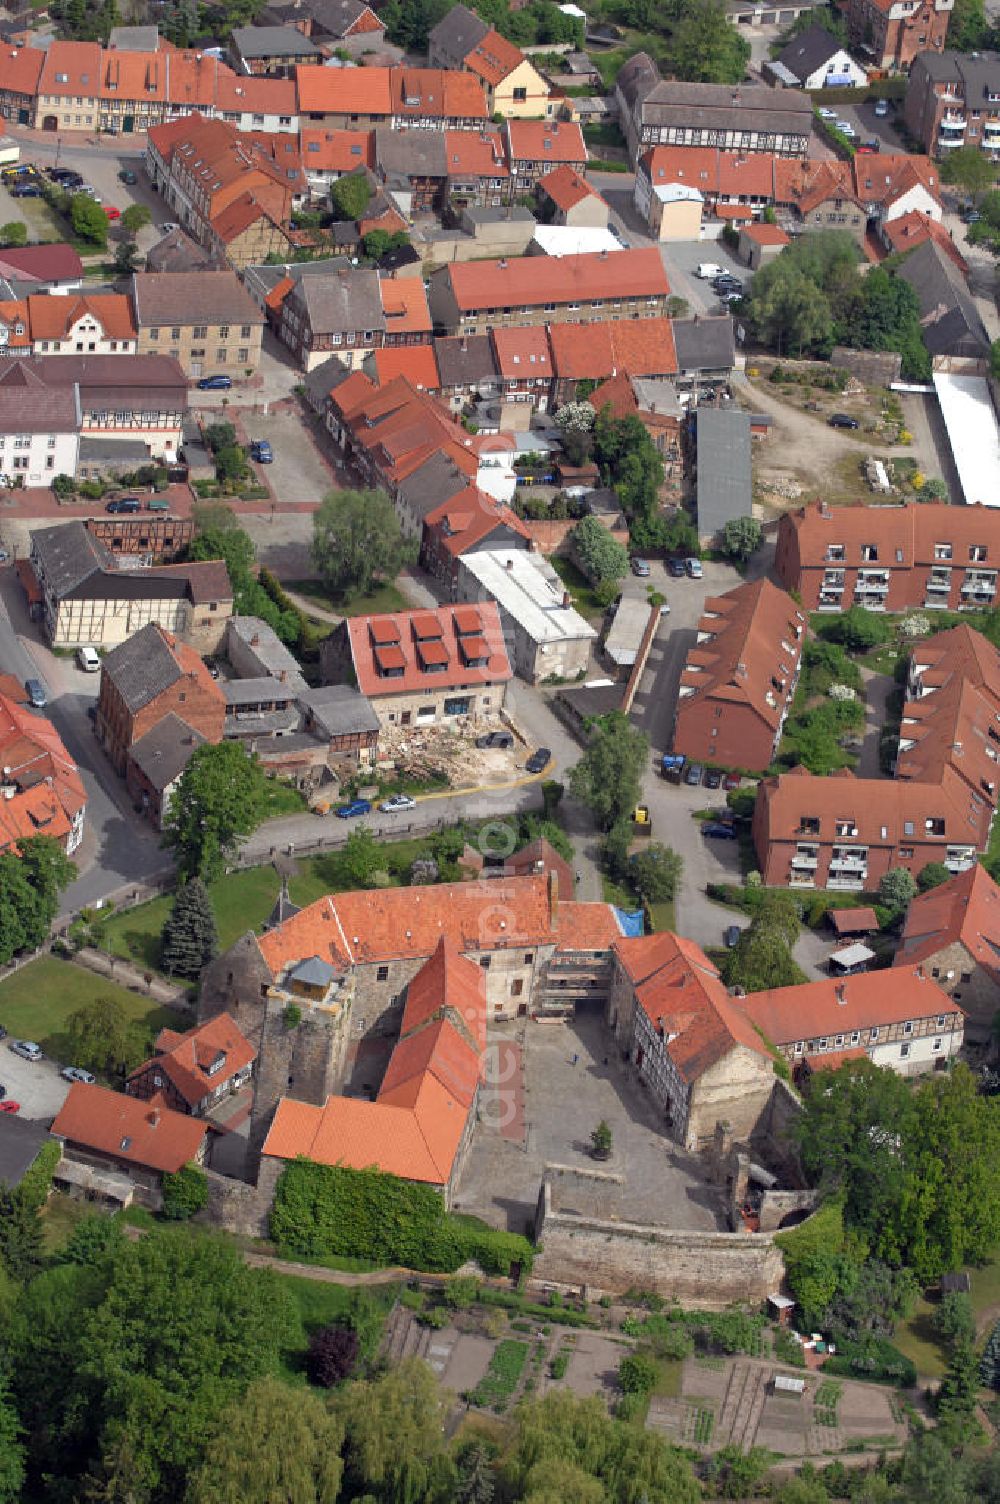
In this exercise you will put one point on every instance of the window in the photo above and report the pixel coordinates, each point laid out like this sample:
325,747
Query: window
175,333
798,1047
520,95
154,333
223,331
936,1045
485,963
245,331
529,957
200,331
904,1051
908,1027
966,976
220,356
517,987
382,974
243,356
873,1034
856,1037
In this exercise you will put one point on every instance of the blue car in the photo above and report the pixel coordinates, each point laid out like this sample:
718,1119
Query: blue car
215,383
356,807
719,832
261,451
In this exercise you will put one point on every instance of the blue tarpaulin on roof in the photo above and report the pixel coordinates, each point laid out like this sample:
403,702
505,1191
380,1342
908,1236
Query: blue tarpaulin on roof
631,923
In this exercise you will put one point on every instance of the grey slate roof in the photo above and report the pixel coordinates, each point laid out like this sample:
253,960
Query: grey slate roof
30,405
269,652
344,300
339,710
265,690
457,33
951,321
163,753
704,344
809,51
433,483
724,107
465,360
142,667
20,1141
272,41
724,481
314,972
214,297
406,154
134,39
323,379
177,252
68,554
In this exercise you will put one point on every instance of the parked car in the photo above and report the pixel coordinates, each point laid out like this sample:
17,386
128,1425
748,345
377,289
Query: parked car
825,113
396,802
970,216
261,451
640,568
25,190
495,739
693,774
881,108
693,567
719,832
26,1048
675,568
124,504
732,936
3,1035
356,807
713,779
731,781
846,129
709,269
3,1091
127,176
77,1073
167,226
539,761
36,693
111,211
88,659
842,420
215,383
10,1106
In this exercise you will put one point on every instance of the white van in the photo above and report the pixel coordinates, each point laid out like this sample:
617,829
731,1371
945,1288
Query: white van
88,659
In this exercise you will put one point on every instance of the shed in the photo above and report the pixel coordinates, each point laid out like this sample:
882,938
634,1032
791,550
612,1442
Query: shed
625,632
785,1384
845,922
724,474
955,1284
852,958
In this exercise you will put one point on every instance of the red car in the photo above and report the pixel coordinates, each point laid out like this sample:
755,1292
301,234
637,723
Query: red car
111,211
9,1106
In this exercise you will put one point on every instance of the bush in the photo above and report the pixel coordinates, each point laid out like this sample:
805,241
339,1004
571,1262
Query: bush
637,1374
37,1181
872,1358
332,1354
326,1209
185,1193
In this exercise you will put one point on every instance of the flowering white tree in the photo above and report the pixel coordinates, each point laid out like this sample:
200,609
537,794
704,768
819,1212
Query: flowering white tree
576,417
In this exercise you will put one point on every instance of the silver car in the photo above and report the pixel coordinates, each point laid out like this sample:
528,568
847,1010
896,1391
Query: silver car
26,1048
77,1073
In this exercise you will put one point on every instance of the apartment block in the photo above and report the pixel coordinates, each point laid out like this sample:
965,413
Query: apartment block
739,678
953,100
892,34
953,932
474,296
890,558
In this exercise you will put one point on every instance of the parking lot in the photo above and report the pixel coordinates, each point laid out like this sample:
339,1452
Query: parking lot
35,1084
871,127
100,170
298,473
682,258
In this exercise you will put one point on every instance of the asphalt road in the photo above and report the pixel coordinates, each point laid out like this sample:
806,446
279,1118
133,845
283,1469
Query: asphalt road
118,846
35,1085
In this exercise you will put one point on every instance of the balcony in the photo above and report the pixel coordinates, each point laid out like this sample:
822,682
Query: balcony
959,859
807,863
872,600
829,601
845,884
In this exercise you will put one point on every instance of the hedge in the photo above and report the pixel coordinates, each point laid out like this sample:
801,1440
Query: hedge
872,1358
327,1209
37,1180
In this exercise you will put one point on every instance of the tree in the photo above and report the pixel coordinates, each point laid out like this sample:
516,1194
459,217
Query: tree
356,541
601,1141
88,219
608,777
741,537
897,888
220,537
475,1483
332,1355
95,1241
271,1443
101,1038
761,959
395,1448
349,196
185,1193
788,311
30,885
931,1474
134,219
656,872
183,1328
220,796
14,232
932,876
126,257
995,359
601,556
218,436
576,417
706,47
857,629
11,1451
231,464
637,1374
969,169
20,1233
189,939
630,462
954,1320
361,858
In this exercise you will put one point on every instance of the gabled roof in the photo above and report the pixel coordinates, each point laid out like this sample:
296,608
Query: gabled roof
458,32
809,51
565,187
819,1010
326,150
949,317
493,58
42,263
964,911
552,141
53,318
199,1059
147,1134
218,296
415,362
749,642
165,751
592,352
908,231
522,354
416,650
146,664
49,789
681,993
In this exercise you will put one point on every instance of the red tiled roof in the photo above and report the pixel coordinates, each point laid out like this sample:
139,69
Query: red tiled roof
44,263
475,154
14,317
53,318
565,187
832,1060
242,94
436,94
21,69
905,535
416,362
336,151
147,1134
404,303
853,921
466,519
911,230
641,347
343,91
71,68
817,1010
494,58
527,281
546,141
522,354
238,216
458,673
964,911
763,234
50,791
190,1059
681,993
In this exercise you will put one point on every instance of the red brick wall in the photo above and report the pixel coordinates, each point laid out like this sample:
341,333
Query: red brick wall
202,708
742,740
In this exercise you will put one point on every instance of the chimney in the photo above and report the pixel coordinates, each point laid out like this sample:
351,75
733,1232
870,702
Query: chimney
841,993
152,1118
282,675
255,640
509,564
554,899
566,600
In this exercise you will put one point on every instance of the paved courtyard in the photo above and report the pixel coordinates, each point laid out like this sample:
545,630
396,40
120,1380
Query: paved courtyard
573,1077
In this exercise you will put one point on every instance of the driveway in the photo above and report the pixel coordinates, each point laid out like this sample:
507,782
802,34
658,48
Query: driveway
35,1084
681,258
300,472
870,127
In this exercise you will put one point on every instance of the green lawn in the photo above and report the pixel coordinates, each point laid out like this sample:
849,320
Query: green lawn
915,1338
385,598
580,589
282,799
60,1214
663,916
320,1304
986,1288
37,1000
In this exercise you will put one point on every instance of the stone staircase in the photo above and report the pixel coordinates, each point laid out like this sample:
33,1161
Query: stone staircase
404,1336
